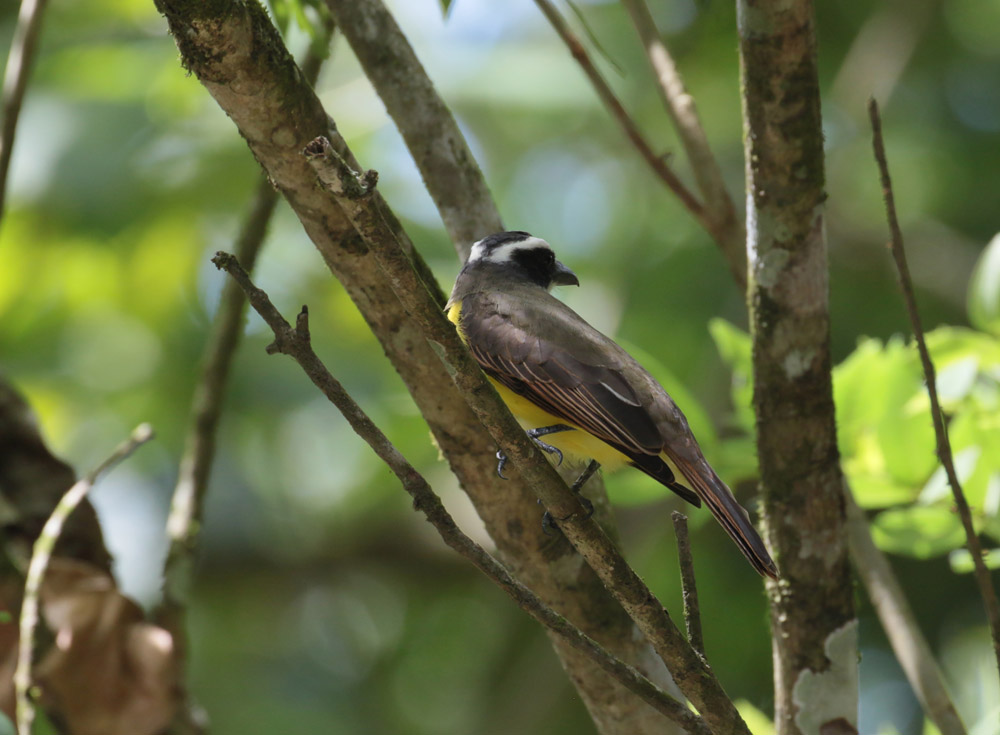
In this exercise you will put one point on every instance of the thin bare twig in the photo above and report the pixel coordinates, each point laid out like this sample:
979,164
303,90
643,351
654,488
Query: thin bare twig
628,125
15,81
726,229
692,611
367,211
983,579
900,626
41,553
186,508
184,521
295,342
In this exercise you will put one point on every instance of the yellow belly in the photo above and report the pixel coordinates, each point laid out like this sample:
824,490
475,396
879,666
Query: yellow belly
577,446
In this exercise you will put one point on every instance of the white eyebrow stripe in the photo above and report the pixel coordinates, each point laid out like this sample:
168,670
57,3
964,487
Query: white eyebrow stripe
504,253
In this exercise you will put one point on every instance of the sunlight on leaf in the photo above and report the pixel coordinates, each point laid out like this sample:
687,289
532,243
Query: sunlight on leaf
984,290
919,531
757,722
960,560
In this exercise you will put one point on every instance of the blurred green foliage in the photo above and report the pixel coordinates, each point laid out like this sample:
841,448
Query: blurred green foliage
886,436
323,602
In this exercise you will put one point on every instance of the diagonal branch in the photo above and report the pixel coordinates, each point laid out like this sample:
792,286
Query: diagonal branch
449,170
41,553
364,206
621,116
692,611
15,81
726,227
278,116
709,220
944,453
295,342
459,190
898,622
184,521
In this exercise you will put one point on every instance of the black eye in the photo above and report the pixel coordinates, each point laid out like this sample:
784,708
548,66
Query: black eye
549,257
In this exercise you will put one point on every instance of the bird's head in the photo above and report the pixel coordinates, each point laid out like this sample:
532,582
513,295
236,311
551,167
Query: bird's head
524,256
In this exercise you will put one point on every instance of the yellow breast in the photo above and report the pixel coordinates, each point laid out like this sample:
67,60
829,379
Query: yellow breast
577,446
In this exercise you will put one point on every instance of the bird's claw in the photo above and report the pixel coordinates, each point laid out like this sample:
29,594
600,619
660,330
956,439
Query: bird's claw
501,461
548,448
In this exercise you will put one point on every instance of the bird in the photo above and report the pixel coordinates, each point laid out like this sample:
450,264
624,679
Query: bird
569,383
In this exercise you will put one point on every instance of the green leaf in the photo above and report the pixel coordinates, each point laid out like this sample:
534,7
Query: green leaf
878,490
734,346
757,722
446,7
919,531
948,344
960,560
984,289
885,438
937,487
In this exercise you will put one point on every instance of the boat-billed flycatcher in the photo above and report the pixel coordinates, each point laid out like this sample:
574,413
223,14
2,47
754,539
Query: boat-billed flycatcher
564,380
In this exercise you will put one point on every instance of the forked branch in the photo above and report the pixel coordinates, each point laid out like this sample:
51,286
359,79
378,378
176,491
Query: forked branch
295,342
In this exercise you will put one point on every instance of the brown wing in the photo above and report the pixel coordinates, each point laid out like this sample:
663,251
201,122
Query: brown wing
595,397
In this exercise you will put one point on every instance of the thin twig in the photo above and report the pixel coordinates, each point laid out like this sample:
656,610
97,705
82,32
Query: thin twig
15,81
295,342
692,611
449,170
187,505
184,521
726,228
40,555
368,213
628,125
900,626
940,429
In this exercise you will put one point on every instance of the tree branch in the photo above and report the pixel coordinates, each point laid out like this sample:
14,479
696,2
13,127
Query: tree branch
185,520
15,81
814,627
726,227
365,208
236,54
944,453
40,556
692,611
715,223
439,149
295,342
900,626
468,211
621,116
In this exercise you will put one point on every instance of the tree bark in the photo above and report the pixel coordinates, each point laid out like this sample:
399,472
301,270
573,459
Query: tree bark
237,55
812,611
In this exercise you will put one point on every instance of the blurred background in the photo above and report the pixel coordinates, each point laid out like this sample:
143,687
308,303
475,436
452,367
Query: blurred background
323,602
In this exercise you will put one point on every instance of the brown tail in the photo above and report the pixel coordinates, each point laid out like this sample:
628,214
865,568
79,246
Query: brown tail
726,510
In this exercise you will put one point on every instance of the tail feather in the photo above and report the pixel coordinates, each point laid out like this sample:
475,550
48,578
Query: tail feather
730,514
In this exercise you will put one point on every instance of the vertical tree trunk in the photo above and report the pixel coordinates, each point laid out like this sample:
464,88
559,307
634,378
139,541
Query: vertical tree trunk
812,611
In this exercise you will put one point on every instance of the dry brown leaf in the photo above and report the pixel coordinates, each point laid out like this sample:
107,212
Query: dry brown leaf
108,671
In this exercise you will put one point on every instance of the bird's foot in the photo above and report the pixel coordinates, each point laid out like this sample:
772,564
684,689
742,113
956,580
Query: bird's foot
501,461
534,435
549,522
